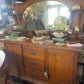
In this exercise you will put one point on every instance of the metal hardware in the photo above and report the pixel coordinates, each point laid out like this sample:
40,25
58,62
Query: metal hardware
34,73
33,63
33,53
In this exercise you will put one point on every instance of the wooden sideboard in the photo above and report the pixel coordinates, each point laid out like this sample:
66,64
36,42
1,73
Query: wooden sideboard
41,64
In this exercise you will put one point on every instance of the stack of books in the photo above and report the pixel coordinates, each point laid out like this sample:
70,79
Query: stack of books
42,40
58,39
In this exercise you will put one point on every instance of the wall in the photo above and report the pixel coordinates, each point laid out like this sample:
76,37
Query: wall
77,20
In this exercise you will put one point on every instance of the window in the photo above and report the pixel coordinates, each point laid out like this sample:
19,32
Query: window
59,10
64,12
52,14
0,15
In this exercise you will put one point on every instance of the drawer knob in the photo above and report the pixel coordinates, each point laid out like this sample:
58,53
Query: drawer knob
33,53
34,73
33,63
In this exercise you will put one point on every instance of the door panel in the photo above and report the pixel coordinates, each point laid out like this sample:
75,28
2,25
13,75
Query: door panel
15,59
60,66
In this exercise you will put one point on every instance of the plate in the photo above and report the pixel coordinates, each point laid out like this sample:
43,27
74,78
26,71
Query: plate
60,23
58,34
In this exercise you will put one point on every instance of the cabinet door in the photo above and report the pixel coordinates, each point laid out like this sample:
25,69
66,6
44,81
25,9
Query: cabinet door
61,66
14,58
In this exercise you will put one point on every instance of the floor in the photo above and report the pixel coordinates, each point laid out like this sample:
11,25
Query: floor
14,80
18,81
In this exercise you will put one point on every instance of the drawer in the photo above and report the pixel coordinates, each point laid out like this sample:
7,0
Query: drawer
34,74
35,64
35,53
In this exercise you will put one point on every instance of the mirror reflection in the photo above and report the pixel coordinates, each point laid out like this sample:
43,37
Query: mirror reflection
45,14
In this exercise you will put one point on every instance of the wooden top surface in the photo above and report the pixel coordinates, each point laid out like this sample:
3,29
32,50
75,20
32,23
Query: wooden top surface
51,46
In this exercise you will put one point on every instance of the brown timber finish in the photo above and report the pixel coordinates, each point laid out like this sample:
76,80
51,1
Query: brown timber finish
42,64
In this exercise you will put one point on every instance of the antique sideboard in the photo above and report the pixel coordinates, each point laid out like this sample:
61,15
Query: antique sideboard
42,64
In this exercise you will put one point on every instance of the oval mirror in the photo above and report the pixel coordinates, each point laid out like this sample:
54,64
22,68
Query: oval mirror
44,14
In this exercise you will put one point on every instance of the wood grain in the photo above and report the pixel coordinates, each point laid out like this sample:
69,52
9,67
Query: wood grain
61,66
33,52
34,74
61,63
34,64
15,59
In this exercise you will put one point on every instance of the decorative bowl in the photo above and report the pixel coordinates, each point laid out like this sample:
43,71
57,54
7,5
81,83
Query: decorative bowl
60,44
58,34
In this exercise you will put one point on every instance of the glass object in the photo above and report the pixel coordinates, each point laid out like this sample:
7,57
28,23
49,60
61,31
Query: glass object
50,14
60,23
64,12
41,15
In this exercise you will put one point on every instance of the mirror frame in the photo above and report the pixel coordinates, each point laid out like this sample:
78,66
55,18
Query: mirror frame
68,3
27,3
21,7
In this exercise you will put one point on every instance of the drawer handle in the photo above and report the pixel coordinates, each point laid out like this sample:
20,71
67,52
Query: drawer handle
33,63
33,53
34,74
